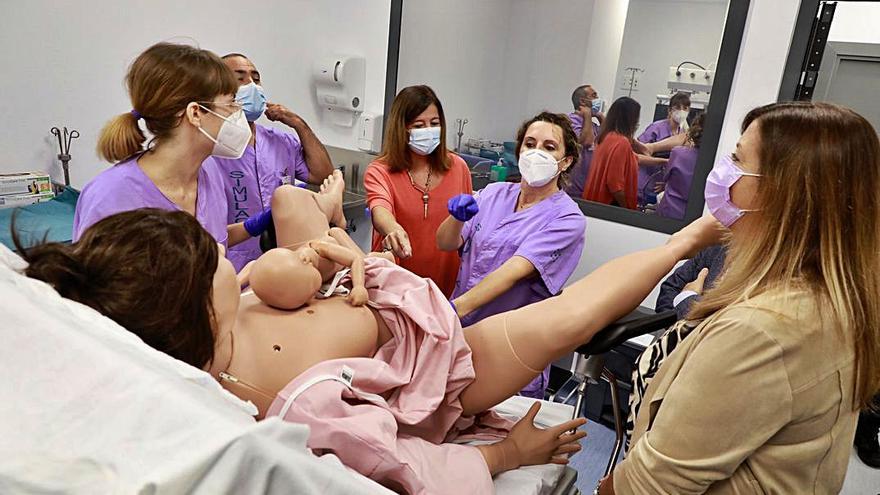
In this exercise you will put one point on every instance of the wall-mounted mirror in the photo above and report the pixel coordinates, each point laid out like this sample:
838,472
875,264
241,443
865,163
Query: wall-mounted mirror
656,73
835,56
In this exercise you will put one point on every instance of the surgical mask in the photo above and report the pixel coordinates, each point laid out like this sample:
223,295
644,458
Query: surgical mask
233,137
717,193
597,105
425,140
538,167
252,99
680,116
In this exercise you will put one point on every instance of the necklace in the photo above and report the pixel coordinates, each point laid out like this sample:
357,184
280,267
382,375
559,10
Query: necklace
424,192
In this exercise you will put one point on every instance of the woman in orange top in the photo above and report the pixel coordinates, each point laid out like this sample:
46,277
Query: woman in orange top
409,185
614,173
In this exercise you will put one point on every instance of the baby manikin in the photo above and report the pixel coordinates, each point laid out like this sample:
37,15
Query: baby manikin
288,277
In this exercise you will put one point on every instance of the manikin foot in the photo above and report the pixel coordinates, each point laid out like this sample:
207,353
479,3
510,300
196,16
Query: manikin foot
330,199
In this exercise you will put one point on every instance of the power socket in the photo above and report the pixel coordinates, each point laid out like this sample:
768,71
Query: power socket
630,80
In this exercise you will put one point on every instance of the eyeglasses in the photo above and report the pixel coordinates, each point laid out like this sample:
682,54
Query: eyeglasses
233,106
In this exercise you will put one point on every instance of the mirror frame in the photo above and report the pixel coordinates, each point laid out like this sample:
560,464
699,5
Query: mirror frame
731,40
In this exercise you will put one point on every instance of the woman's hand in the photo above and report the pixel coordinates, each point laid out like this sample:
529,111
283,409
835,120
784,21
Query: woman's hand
701,233
462,207
530,445
641,148
398,242
697,284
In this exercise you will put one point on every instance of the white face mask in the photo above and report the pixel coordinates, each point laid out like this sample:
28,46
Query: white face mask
680,116
233,137
538,167
424,141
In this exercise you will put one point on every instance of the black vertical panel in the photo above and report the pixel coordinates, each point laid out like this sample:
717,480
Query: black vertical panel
392,61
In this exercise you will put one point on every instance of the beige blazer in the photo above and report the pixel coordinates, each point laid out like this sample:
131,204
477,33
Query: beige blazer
757,399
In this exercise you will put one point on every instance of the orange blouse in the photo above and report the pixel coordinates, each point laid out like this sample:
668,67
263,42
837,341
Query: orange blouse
396,192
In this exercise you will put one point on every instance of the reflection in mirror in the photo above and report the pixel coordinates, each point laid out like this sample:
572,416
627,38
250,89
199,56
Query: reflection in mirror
632,77
665,75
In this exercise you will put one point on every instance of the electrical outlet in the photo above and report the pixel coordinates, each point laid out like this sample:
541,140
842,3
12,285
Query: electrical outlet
630,80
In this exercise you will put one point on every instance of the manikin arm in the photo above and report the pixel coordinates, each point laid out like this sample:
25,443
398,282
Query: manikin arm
244,276
346,257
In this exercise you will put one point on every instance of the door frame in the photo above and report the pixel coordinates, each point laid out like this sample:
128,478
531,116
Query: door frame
837,51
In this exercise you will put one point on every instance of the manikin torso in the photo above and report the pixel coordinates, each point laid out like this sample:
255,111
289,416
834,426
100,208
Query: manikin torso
271,347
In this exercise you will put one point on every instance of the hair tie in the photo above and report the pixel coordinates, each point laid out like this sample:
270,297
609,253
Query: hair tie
137,115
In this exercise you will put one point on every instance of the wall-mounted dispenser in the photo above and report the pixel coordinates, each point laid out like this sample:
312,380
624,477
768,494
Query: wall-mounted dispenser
370,133
339,87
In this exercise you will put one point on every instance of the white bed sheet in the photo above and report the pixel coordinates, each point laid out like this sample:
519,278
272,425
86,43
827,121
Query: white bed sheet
87,407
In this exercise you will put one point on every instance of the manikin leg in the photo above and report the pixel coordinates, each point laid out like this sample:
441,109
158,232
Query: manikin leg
301,215
509,348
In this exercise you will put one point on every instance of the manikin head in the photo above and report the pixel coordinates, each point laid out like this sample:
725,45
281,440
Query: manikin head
286,279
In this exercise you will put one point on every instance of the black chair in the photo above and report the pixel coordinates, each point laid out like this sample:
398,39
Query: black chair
267,238
590,363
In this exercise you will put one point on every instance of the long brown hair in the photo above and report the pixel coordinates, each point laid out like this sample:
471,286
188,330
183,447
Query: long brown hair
622,118
149,270
162,81
820,166
407,105
569,140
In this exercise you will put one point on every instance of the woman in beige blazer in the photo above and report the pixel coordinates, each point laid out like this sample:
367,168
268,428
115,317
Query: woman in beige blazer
763,396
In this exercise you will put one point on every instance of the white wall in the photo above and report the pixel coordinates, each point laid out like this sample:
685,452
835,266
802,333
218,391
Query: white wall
664,33
602,53
495,62
546,43
66,61
455,47
856,22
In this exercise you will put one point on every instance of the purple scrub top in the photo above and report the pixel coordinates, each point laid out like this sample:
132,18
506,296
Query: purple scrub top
649,176
678,178
125,187
581,170
550,235
277,159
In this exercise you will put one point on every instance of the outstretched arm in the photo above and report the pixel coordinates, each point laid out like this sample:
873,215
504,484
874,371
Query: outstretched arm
494,285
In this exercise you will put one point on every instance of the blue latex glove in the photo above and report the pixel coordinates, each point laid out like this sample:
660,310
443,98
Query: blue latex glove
258,224
462,207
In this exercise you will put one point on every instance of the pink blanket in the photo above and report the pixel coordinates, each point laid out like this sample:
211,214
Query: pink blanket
422,370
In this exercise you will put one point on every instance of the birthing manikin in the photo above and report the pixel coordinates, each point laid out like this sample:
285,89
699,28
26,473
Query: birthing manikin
288,276
275,318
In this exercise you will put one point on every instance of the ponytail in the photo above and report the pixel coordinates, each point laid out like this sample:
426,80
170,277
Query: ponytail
161,82
120,138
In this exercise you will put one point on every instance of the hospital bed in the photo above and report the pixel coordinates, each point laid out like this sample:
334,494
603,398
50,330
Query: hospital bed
87,407
52,220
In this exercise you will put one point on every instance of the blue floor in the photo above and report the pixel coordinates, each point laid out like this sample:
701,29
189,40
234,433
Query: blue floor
590,462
